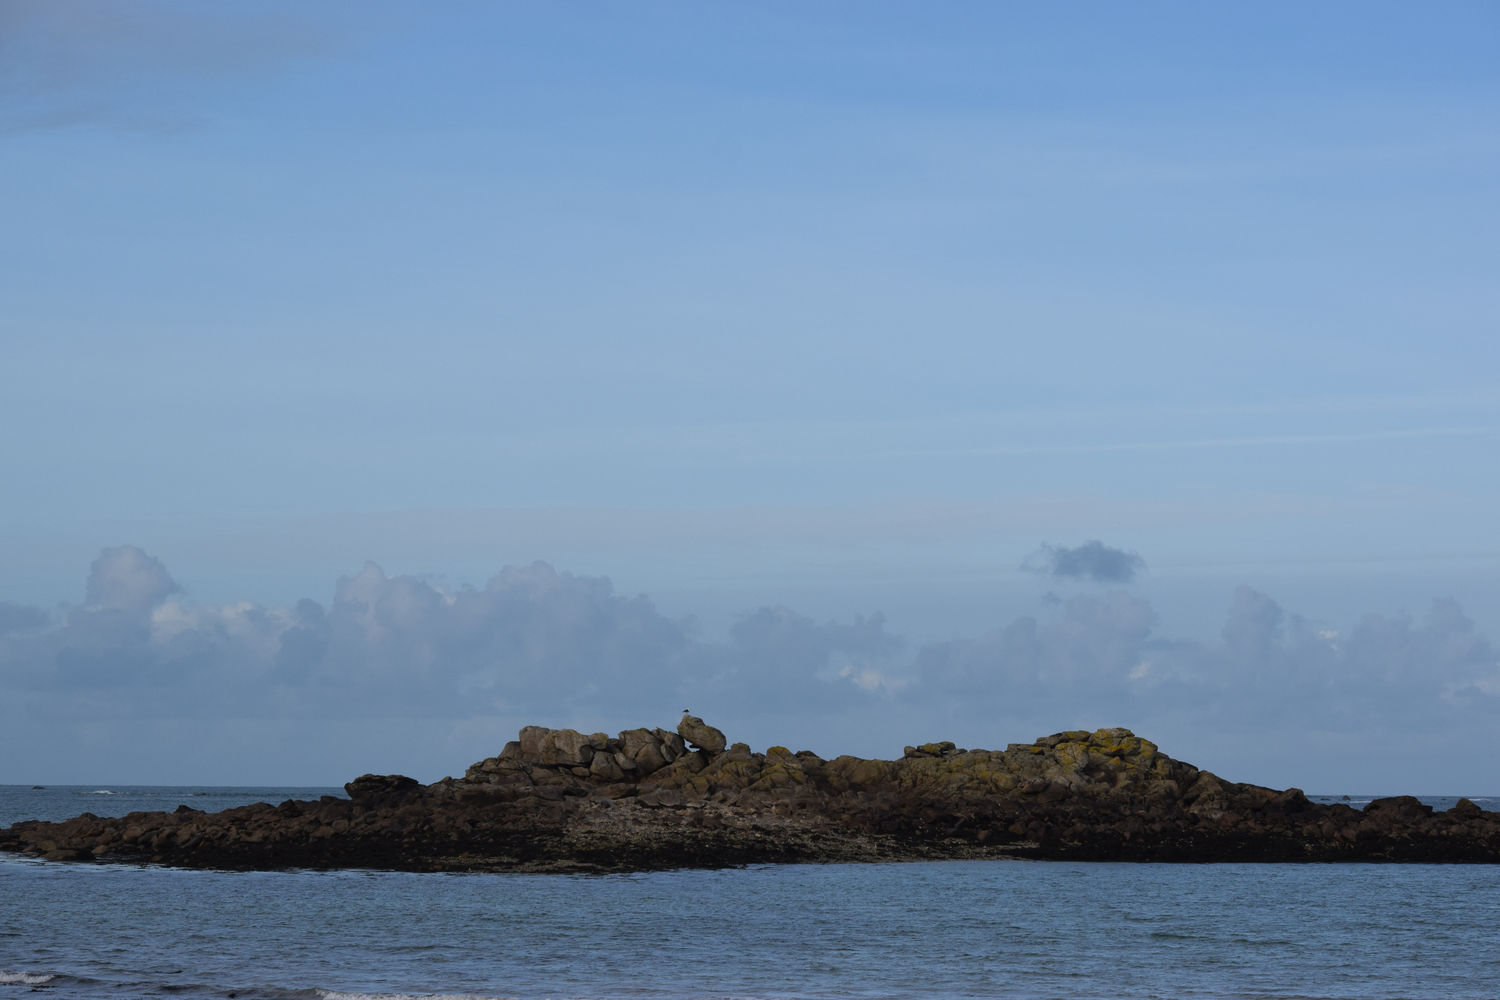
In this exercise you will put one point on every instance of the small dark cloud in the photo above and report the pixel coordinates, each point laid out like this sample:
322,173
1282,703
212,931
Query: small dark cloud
1093,560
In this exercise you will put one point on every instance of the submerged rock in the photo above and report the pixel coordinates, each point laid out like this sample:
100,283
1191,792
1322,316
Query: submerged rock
561,800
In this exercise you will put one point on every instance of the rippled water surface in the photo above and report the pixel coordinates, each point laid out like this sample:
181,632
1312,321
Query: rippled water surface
951,929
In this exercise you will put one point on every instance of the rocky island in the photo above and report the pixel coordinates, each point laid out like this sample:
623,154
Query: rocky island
560,800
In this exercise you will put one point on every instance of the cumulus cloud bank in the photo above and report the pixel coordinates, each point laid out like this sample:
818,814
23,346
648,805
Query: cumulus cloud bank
535,644
1093,560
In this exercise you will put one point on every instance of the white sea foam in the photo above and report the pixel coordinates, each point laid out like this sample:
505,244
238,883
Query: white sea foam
24,978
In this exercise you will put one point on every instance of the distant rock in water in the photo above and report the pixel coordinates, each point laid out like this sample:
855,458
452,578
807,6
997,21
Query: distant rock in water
561,800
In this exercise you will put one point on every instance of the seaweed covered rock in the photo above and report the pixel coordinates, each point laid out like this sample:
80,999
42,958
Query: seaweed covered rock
368,787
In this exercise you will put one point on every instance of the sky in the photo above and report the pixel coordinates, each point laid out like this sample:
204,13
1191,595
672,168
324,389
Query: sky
380,377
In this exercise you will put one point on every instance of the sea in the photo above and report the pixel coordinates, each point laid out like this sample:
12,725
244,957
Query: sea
1020,930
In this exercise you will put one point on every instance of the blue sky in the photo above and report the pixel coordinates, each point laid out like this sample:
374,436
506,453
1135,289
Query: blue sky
841,310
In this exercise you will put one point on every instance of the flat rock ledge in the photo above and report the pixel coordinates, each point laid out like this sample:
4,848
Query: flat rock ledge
558,800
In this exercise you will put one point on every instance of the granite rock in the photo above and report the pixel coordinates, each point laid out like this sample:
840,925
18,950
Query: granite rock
560,800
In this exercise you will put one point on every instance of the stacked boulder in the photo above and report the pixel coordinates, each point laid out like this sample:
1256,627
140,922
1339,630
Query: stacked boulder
576,763
543,756
696,761
655,765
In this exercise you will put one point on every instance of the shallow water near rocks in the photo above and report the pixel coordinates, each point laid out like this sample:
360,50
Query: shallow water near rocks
949,929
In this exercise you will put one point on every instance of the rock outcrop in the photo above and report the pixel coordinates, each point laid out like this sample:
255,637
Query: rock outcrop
560,800
700,735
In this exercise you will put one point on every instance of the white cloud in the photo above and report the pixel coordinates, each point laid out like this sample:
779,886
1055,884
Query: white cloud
535,644
127,579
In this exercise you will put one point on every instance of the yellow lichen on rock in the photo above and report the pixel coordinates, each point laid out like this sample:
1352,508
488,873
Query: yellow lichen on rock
1072,756
734,773
779,775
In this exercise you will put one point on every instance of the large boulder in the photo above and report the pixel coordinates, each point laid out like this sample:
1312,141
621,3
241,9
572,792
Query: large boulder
672,745
375,786
645,750
606,766
701,735
529,746
1465,809
566,748
1398,807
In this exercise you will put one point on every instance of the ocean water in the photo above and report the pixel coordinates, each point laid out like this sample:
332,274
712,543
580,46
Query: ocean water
932,930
